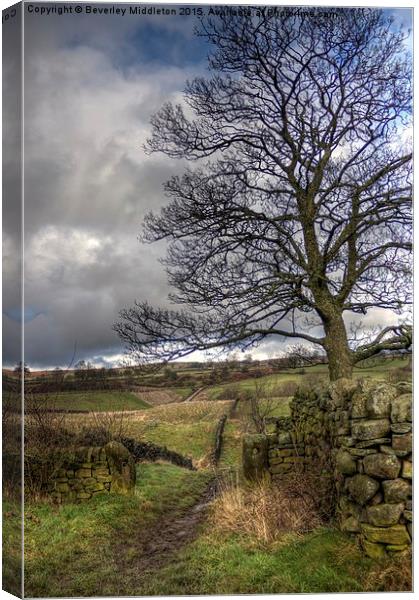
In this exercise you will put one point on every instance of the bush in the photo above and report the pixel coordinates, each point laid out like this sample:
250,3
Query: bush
229,392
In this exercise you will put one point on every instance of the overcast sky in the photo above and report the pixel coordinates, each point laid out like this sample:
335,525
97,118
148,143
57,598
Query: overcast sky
91,85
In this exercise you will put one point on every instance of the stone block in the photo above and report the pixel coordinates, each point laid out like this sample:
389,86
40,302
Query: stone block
373,550
348,507
359,405
345,463
379,399
362,488
401,409
122,467
396,534
370,429
409,529
397,490
407,470
88,480
383,466
402,444
360,452
383,515
397,548
285,452
346,441
404,387
104,478
76,484
83,496
96,487
401,427
377,499
280,469
276,461
350,525
255,456
387,450
101,471
81,473
408,515
284,439
374,442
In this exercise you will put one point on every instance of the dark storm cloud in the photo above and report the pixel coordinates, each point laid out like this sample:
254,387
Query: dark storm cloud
91,86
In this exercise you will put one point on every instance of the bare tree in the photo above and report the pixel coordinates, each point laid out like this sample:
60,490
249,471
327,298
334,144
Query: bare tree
305,205
299,355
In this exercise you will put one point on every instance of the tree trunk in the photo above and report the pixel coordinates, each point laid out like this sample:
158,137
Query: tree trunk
337,348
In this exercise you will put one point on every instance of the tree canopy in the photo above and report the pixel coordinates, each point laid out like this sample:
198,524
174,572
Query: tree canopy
297,210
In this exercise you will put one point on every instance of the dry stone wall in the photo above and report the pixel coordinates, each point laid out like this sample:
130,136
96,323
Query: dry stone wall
80,473
362,433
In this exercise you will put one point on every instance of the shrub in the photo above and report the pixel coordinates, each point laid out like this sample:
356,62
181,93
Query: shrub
229,392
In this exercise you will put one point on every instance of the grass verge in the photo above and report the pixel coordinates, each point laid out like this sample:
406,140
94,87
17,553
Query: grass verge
323,561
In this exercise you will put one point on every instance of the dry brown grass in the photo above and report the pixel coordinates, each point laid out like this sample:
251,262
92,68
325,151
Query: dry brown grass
391,575
263,511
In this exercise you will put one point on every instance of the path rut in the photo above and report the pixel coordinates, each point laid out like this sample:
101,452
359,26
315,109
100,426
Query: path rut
160,544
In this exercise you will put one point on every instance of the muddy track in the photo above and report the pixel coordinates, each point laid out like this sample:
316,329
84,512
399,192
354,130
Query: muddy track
160,544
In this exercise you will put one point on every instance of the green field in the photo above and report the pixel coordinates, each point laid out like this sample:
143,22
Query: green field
103,400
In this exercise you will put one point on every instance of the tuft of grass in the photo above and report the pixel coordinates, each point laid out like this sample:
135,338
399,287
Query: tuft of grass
263,511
